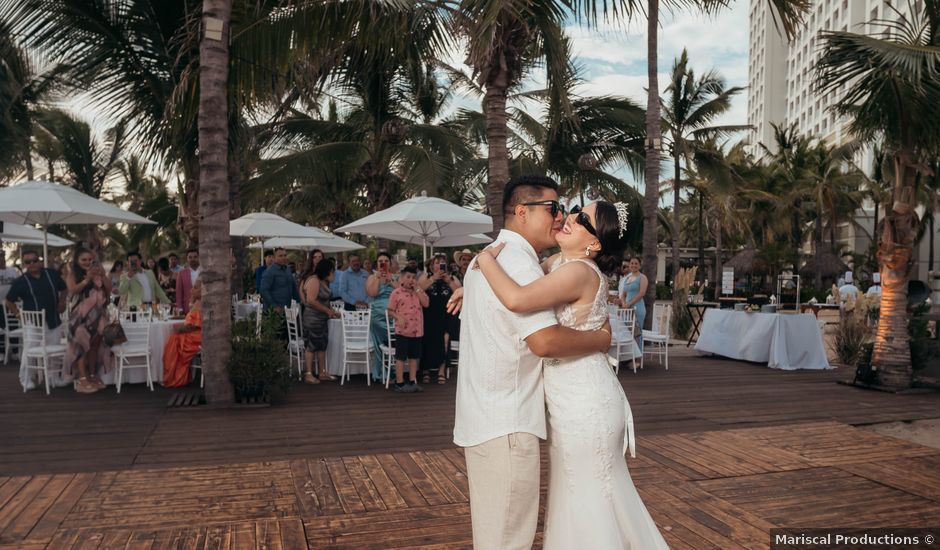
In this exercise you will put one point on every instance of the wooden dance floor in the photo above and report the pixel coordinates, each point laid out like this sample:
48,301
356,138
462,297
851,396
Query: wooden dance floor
720,478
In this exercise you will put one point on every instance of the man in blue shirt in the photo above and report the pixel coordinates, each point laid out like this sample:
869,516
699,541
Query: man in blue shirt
277,283
259,273
353,285
39,289
336,285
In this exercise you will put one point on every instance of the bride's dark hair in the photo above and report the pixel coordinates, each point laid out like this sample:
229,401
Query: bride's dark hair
607,224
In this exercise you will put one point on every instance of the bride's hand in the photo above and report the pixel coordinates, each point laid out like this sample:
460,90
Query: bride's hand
492,251
606,328
455,302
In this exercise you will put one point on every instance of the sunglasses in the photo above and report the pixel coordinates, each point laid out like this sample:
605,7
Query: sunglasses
583,219
28,262
554,206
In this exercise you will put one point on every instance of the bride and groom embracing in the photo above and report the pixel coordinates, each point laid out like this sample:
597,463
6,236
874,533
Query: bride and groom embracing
515,312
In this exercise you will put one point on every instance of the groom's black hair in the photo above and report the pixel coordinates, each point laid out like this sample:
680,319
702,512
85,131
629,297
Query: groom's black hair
525,189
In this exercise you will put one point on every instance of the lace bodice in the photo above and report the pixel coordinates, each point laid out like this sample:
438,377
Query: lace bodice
584,317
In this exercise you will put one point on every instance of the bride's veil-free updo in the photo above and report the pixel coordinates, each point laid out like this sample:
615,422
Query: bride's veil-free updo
607,224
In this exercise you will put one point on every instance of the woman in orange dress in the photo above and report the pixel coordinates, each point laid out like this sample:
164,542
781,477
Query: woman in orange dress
184,343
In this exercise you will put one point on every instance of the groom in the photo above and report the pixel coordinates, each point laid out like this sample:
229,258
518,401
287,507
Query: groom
500,401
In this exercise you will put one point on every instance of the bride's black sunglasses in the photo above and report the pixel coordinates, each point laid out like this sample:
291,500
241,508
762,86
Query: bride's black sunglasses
583,219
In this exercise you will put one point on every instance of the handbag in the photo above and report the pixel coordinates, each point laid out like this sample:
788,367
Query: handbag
113,334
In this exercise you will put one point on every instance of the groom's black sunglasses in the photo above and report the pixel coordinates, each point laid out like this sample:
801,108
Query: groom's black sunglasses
583,219
554,206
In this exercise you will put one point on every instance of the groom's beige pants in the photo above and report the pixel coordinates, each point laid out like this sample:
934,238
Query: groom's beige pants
504,491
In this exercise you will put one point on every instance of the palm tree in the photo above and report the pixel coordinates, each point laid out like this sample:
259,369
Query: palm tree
691,106
214,197
892,88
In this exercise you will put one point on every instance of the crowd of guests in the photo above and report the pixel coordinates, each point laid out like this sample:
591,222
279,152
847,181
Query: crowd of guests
81,291
424,331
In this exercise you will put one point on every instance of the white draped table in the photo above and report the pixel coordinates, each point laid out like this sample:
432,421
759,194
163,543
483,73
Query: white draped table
160,332
783,341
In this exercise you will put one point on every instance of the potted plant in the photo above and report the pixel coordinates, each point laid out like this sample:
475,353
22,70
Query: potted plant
259,367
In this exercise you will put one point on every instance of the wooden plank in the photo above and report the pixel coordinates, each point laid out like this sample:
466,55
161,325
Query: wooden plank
293,535
22,499
403,484
59,509
441,481
380,480
328,501
345,489
19,527
420,479
368,494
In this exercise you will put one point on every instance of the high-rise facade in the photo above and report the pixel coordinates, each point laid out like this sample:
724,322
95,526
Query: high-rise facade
781,73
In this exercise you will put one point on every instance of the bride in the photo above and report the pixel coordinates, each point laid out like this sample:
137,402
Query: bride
592,502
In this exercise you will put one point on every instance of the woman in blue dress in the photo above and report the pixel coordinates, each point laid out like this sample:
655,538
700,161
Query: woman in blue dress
632,291
379,287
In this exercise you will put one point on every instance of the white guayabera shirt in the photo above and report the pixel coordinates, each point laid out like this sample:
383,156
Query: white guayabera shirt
499,388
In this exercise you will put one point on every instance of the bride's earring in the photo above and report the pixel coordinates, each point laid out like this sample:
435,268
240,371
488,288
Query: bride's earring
587,251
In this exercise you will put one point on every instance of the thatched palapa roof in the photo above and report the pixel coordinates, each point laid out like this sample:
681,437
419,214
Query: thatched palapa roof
826,263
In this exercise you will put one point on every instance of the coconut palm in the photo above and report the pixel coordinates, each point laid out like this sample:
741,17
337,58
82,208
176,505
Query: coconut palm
892,88
690,108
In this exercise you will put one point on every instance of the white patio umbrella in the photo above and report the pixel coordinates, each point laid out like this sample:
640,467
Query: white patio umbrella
428,219
45,203
24,234
328,243
264,224
457,240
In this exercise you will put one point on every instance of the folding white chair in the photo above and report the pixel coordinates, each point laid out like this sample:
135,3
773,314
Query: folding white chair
623,339
11,333
197,365
234,306
144,315
135,353
295,342
388,348
356,342
656,341
36,353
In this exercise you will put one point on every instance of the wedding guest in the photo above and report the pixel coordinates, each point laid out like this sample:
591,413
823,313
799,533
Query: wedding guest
631,295
185,343
186,278
353,285
316,319
89,290
259,273
462,259
439,285
167,278
405,306
117,269
138,287
379,287
151,265
175,266
39,289
336,285
367,265
278,287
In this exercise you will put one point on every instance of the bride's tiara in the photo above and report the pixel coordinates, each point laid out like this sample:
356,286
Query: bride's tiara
623,215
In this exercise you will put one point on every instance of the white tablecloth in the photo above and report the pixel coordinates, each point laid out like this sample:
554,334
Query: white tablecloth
782,341
160,332
334,352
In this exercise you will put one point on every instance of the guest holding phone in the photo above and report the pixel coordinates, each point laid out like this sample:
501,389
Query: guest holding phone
139,286
89,289
439,284
379,287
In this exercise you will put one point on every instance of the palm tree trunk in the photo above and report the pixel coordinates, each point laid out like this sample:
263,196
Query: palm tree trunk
653,135
701,238
29,164
892,351
719,275
214,202
676,221
818,247
494,106
933,234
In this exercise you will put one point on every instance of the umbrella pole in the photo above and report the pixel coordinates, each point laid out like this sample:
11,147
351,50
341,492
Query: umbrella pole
45,245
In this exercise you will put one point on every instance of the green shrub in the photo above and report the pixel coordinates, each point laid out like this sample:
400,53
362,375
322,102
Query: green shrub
260,367
922,346
850,339
663,292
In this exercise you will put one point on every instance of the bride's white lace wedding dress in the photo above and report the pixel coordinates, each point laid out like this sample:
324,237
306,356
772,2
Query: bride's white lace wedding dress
592,502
